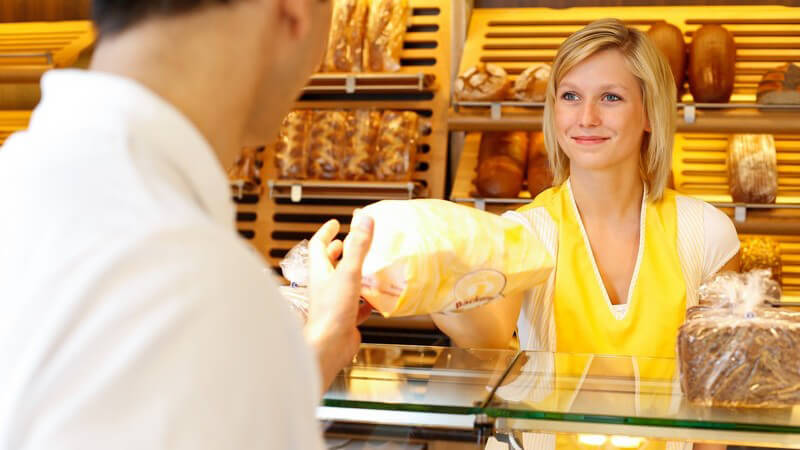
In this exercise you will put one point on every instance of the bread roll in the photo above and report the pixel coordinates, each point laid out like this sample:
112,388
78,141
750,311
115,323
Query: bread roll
499,176
669,39
753,168
358,159
712,65
531,84
327,141
761,252
386,29
346,39
396,153
291,150
513,144
780,86
484,82
539,175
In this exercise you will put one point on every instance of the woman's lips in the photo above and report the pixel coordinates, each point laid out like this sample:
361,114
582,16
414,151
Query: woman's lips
589,140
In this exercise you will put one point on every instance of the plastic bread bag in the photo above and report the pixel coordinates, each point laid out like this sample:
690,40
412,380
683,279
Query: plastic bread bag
386,29
737,351
346,40
429,256
294,267
291,150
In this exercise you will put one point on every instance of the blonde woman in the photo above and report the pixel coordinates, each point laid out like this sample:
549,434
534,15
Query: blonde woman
630,254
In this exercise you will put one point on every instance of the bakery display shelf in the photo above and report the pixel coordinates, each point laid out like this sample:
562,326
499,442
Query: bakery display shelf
352,83
691,117
29,49
297,190
516,38
274,223
502,393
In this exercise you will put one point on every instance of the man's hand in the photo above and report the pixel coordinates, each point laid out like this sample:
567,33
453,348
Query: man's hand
334,310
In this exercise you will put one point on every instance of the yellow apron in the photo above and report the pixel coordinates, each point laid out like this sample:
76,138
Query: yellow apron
584,322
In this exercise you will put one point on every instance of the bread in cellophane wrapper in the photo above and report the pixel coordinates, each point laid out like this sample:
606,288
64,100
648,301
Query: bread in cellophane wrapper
358,159
327,141
431,256
386,29
396,152
346,39
737,351
291,150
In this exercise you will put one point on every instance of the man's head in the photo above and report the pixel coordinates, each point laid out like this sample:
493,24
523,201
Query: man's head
264,50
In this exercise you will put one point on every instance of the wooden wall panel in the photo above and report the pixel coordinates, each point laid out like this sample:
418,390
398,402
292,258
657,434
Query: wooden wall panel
44,10
574,3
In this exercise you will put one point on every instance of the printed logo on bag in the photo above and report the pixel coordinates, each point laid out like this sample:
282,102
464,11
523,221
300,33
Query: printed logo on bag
478,287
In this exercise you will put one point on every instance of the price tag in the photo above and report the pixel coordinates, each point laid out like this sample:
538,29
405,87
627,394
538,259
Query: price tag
480,204
689,113
350,84
297,193
496,111
740,213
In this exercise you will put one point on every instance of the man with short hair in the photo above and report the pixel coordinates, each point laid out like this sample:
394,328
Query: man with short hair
132,316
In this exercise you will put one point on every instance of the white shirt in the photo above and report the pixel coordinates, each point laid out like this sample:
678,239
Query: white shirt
132,315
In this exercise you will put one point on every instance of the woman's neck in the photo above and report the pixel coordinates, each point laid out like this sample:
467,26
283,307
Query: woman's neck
607,195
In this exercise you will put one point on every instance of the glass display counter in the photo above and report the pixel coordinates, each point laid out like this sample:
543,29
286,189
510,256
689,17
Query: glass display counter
395,397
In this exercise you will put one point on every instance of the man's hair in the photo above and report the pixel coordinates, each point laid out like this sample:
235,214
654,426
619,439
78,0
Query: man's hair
652,70
115,16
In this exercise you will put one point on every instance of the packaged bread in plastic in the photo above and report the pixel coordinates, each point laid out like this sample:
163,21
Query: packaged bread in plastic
244,175
386,29
358,159
753,168
396,151
346,39
738,352
291,152
327,140
420,263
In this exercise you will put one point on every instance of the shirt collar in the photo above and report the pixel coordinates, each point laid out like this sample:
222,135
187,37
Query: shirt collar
74,98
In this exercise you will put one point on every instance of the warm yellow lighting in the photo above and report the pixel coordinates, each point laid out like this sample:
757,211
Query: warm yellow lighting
592,439
626,441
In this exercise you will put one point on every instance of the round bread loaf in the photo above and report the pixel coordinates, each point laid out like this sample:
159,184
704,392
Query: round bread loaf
505,143
780,86
484,82
669,39
499,176
712,65
531,84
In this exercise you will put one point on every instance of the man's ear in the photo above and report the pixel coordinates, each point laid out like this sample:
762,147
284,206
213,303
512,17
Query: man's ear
297,13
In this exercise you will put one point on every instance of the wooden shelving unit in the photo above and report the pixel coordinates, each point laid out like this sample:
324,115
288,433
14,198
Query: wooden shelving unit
283,212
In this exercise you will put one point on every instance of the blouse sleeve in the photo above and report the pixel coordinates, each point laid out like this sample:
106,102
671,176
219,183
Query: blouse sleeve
721,240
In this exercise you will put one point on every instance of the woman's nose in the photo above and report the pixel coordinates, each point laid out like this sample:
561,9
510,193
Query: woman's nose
589,116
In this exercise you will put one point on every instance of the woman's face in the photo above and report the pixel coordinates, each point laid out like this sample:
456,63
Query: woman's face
599,114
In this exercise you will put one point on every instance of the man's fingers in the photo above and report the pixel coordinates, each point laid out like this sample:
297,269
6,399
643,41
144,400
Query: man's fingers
323,237
356,244
335,250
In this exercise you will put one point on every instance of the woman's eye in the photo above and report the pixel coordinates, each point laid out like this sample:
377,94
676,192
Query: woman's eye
612,98
569,96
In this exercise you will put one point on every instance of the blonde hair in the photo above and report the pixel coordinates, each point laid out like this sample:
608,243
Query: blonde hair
658,96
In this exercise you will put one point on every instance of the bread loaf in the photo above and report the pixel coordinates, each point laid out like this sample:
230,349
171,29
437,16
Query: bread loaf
669,39
386,28
396,151
346,39
327,141
539,175
761,252
244,174
531,84
734,361
712,65
499,176
291,151
484,82
752,168
780,86
513,144
358,159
